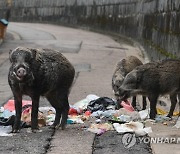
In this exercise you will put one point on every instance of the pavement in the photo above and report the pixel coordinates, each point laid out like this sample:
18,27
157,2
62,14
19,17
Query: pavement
94,57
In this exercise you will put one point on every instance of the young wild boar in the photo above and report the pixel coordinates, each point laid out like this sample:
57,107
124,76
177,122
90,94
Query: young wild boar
153,79
40,72
123,67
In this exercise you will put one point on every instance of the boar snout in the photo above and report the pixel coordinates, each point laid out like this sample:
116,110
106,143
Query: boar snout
20,71
123,94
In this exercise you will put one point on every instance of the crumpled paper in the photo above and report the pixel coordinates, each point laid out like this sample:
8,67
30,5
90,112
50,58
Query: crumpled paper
132,127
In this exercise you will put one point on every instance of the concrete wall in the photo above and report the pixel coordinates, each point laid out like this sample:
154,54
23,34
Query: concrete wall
154,23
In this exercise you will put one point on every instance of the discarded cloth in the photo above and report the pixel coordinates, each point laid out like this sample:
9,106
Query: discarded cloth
107,113
82,104
26,116
7,121
11,106
101,104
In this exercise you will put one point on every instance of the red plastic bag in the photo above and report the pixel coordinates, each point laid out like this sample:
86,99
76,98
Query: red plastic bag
11,107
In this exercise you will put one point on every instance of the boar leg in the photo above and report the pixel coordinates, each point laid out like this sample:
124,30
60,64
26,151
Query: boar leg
144,102
18,108
134,101
61,105
173,98
65,111
34,113
153,102
57,106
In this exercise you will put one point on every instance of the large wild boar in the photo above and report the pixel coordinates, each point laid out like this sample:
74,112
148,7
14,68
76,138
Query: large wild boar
154,79
123,67
40,72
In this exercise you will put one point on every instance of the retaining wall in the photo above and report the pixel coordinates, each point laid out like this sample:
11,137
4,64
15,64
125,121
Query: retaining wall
153,23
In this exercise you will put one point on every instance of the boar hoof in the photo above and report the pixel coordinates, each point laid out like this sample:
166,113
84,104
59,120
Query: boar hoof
55,126
36,130
144,108
169,116
63,127
15,131
152,116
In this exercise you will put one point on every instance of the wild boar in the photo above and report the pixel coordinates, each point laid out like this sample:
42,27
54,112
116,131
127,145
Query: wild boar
123,67
154,79
40,72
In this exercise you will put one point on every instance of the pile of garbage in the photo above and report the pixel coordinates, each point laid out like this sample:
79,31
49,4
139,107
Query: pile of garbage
100,112
107,118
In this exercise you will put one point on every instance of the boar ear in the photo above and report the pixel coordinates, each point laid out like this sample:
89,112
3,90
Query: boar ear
10,53
139,77
36,53
33,52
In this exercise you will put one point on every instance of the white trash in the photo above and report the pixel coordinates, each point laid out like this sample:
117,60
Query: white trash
5,131
82,104
136,127
144,114
177,125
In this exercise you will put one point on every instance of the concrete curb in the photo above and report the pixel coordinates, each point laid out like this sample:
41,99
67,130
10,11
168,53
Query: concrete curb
16,36
1,41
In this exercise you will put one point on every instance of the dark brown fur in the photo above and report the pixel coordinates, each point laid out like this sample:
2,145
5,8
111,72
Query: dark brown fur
154,79
40,72
123,67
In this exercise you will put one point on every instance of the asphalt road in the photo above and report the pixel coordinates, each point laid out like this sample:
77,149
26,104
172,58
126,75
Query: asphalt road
94,57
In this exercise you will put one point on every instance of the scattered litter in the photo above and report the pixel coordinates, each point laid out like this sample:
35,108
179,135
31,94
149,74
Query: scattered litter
101,104
127,105
134,115
11,107
144,131
162,118
144,114
6,113
50,119
26,116
161,112
177,125
7,121
98,120
75,111
47,110
5,131
162,103
87,113
99,109
124,118
107,113
165,123
99,129
132,127
82,104
91,97
75,120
